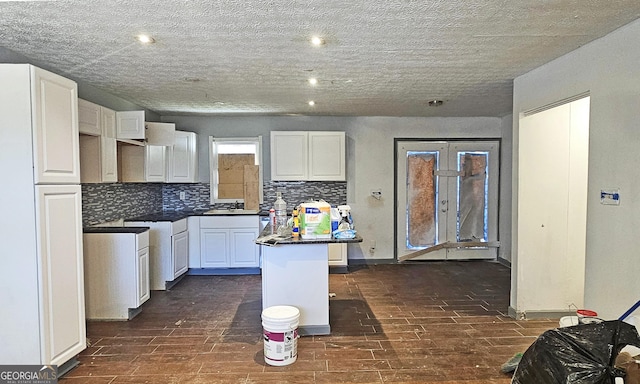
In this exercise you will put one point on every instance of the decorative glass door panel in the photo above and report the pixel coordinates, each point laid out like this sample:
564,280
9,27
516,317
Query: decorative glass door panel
447,200
421,197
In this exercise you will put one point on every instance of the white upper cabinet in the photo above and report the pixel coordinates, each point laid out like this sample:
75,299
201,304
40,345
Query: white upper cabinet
289,156
108,117
327,156
130,125
55,127
182,158
301,155
160,133
155,161
89,118
98,148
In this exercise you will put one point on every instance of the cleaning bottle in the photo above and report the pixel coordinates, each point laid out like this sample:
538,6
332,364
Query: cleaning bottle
295,231
280,207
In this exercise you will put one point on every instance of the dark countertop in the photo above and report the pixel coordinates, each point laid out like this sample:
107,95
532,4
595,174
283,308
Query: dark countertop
134,230
179,215
300,241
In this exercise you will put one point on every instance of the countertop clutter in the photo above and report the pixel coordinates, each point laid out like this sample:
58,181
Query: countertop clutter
267,237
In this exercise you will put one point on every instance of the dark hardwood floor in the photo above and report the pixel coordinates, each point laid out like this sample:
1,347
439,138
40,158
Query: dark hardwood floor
421,322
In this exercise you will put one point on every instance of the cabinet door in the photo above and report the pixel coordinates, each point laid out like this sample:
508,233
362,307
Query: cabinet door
109,157
214,245
55,129
180,253
289,155
130,125
142,287
89,121
181,158
155,163
61,272
244,252
337,254
327,156
108,122
159,133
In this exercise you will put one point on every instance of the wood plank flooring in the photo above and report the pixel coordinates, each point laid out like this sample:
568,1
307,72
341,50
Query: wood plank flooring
420,322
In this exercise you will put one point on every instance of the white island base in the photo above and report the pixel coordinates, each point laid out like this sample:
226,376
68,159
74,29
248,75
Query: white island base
298,275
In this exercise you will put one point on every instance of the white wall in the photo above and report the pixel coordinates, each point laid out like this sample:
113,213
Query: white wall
370,158
608,69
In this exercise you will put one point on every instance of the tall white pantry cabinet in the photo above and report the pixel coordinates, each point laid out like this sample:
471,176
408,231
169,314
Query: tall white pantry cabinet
42,285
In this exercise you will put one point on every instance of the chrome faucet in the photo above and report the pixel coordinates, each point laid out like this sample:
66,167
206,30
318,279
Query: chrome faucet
236,205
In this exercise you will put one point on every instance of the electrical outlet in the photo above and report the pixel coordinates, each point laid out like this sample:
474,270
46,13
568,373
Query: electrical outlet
183,195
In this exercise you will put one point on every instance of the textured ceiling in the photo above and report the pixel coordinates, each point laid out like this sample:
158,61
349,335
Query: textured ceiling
237,57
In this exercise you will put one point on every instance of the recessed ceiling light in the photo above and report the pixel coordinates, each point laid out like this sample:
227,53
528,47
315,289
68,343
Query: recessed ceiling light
145,39
312,103
435,103
317,41
313,81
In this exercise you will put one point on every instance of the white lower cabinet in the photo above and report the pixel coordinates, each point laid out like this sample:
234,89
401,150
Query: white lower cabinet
169,251
116,274
227,242
338,255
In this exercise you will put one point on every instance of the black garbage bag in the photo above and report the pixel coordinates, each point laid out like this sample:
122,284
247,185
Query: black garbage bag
582,354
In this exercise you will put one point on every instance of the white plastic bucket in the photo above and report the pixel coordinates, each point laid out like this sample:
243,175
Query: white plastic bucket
567,321
280,331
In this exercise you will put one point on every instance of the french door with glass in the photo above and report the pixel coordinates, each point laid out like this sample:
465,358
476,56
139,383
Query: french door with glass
447,200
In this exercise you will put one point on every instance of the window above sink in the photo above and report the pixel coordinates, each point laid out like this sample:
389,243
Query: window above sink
230,179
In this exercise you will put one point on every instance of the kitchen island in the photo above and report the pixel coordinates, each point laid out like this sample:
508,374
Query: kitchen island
295,272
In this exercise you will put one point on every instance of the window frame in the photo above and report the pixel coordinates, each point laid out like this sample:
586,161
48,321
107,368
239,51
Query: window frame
213,165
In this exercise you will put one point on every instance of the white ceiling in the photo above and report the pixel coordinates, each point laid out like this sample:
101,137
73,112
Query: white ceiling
237,57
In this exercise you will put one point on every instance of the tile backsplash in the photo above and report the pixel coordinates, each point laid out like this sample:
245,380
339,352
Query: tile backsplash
107,202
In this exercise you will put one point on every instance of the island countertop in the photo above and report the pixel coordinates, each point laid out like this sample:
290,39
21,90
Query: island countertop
267,238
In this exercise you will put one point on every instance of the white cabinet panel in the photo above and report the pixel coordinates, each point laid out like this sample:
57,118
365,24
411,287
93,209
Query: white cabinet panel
130,125
213,248
155,163
109,160
142,283
59,218
338,255
180,253
327,156
244,252
55,139
182,158
89,119
108,117
289,152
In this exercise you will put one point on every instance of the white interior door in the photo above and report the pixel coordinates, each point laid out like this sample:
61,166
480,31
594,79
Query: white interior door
553,160
447,199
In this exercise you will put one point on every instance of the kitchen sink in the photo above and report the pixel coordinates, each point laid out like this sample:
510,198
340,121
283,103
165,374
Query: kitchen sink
231,212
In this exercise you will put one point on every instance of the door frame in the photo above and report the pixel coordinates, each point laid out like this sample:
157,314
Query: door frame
470,250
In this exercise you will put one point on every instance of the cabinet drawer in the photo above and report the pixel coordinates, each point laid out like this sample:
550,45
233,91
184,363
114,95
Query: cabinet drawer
240,221
179,226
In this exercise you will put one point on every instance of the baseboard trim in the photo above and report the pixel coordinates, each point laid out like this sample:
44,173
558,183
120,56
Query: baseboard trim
504,262
223,271
530,315
372,261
